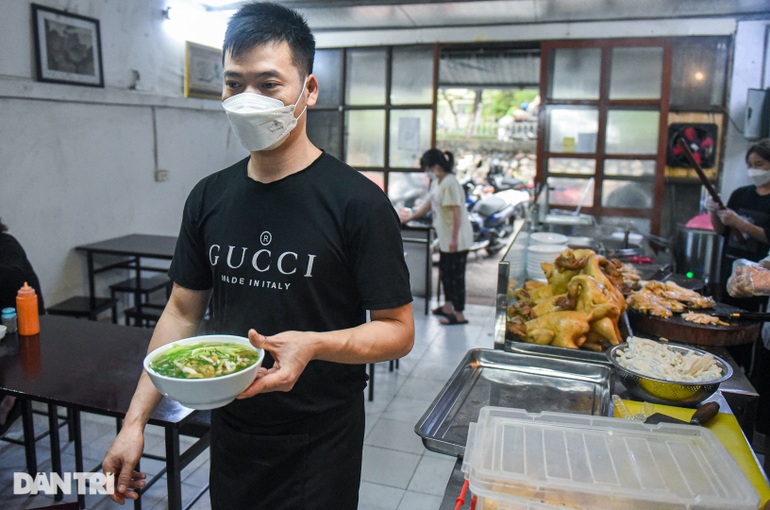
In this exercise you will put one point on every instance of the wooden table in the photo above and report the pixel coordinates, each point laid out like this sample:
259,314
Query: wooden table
132,249
88,366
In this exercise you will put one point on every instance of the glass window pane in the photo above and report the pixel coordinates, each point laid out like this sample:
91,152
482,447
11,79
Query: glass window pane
377,178
698,67
409,136
407,190
629,167
576,73
412,81
327,69
636,73
571,166
572,129
632,132
563,191
365,138
630,194
324,129
365,76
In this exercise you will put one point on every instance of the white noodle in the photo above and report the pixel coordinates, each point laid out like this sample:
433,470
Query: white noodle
657,360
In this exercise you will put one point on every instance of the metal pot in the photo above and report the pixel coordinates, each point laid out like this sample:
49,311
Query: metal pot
697,251
617,248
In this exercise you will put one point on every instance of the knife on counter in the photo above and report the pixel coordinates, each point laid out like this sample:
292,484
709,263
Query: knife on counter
702,416
746,316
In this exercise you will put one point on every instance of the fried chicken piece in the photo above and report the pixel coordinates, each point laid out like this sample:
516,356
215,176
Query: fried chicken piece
547,306
647,301
540,294
703,318
522,309
611,269
586,294
564,268
691,297
560,329
593,268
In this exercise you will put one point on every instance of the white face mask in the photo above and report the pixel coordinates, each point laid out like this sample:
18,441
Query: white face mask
758,176
260,122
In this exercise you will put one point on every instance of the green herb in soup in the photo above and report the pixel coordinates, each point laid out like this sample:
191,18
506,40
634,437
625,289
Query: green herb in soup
204,360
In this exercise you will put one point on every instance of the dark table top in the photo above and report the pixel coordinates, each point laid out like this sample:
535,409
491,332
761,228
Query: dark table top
87,365
142,245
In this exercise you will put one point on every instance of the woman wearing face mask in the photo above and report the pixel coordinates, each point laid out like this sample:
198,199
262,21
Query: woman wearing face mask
446,199
747,210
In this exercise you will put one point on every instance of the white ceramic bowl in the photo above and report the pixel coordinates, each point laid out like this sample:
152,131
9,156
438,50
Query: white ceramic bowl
547,238
204,393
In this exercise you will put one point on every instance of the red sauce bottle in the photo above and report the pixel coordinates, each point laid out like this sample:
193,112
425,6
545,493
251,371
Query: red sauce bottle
27,311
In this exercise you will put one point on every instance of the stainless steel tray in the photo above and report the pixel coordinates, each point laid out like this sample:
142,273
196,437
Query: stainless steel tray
491,377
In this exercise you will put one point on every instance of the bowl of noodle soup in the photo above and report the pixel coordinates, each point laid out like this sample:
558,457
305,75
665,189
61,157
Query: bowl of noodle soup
204,372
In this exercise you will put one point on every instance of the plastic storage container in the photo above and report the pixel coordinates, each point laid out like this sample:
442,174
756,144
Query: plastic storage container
27,309
9,319
517,460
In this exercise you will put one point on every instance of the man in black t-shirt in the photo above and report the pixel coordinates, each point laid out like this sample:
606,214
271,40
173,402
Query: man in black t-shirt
293,247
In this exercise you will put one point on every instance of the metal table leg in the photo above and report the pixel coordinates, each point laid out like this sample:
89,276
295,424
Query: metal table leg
53,435
173,465
28,426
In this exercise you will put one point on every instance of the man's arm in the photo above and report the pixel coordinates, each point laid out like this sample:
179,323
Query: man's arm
388,336
180,319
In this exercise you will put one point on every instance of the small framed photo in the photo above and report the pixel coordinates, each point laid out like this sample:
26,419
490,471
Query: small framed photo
203,71
67,47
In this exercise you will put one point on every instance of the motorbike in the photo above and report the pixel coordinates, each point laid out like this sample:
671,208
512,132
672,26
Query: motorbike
501,182
492,218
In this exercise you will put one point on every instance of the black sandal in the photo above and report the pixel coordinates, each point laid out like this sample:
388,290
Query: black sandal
440,311
452,320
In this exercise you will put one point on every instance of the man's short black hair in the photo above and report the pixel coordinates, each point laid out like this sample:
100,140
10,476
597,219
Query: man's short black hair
264,22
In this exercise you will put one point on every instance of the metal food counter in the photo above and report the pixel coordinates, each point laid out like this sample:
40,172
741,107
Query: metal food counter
510,364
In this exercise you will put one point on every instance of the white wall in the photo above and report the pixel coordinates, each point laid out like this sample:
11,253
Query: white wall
77,163
751,58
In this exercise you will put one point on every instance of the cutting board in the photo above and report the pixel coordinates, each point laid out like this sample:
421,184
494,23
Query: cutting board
679,330
726,428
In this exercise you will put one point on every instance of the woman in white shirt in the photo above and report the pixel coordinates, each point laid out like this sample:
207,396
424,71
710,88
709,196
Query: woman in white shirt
453,230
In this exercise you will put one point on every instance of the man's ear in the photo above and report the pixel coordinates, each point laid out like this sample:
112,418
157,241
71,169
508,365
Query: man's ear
312,90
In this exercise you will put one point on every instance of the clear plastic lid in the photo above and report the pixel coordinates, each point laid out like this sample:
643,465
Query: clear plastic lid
594,462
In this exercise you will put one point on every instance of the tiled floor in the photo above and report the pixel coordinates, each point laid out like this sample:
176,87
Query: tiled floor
398,472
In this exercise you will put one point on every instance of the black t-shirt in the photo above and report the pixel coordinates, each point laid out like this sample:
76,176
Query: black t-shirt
754,208
310,252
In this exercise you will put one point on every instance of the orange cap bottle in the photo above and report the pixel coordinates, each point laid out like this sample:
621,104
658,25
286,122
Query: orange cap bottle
27,311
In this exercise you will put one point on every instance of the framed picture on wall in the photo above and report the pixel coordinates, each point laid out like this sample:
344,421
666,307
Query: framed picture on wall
203,71
67,47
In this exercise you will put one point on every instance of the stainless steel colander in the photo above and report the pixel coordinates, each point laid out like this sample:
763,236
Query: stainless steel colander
659,391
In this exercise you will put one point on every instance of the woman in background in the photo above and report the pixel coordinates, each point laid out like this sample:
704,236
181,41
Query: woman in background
446,199
15,269
748,211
